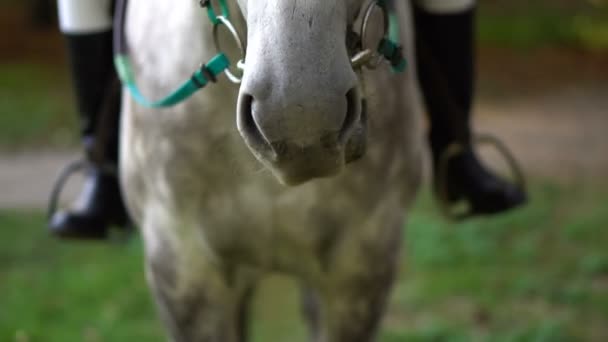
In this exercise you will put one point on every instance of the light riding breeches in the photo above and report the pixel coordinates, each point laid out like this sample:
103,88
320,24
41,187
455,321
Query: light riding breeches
89,16
84,16
446,6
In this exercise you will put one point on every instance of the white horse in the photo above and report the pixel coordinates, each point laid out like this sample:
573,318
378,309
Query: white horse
326,204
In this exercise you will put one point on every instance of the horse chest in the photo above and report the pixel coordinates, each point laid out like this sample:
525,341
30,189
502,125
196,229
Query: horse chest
203,178
266,225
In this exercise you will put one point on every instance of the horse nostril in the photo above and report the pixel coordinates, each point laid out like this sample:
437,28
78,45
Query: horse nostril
353,113
249,128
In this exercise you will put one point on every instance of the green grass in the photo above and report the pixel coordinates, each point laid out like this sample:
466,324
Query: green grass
538,274
36,106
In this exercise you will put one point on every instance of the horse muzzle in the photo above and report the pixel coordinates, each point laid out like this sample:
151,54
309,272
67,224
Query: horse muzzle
303,140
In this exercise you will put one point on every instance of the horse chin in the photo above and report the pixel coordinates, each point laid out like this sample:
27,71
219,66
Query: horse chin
307,165
293,164
298,176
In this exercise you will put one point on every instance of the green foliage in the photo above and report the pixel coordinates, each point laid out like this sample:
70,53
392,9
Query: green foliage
537,25
537,274
36,107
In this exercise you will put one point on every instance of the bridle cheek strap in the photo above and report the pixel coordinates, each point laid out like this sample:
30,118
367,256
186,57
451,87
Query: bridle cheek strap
208,72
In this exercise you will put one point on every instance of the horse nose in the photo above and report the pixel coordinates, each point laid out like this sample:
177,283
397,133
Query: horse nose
269,125
249,128
353,114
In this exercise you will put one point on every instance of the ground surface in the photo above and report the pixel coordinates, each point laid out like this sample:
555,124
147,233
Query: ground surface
538,274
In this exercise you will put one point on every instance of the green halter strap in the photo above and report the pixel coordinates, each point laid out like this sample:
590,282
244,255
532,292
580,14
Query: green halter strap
204,75
389,46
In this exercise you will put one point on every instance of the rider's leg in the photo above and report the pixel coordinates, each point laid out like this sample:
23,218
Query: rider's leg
87,26
445,54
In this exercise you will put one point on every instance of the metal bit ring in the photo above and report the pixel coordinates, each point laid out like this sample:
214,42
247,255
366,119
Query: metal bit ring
376,59
222,21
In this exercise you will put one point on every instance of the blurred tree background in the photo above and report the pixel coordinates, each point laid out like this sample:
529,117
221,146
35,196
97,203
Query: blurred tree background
537,274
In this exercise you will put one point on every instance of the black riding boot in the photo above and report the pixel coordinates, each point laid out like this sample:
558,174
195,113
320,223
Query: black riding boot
445,58
100,203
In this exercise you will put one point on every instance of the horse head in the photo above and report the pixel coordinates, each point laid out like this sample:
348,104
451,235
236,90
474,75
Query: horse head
213,226
299,107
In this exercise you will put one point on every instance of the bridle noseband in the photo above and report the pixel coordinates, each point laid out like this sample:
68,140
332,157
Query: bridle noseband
362,56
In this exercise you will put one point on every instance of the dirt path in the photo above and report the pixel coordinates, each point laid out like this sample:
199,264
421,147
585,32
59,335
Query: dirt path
26,179
561,136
